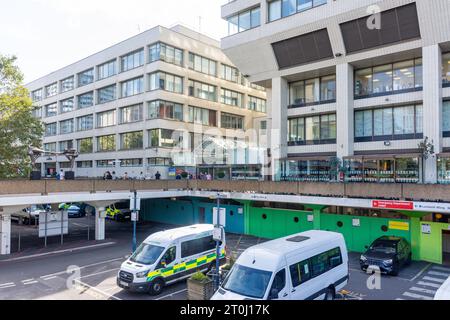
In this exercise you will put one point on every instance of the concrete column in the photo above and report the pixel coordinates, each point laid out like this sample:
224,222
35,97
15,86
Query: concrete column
345,110
5,234
432,106
100,223
264,12
278,113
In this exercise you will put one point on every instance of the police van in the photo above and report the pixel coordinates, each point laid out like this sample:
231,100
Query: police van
169,256
308,266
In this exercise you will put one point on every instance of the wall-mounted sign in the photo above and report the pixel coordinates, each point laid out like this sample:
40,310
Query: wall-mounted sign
240,210
356,222
390,204
310,218
426,228
399,225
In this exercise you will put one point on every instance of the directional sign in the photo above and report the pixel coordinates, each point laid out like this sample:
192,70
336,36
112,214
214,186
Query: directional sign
222,219
138,204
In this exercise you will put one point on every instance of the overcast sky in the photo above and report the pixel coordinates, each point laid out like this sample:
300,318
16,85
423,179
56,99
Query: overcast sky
49,34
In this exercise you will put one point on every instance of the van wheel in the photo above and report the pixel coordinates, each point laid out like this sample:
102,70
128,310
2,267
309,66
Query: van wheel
156,287
330,294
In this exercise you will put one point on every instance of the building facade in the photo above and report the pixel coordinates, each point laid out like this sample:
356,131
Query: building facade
166,100
358,91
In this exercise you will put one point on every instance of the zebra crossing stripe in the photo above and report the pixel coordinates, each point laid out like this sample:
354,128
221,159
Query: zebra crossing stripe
434,279
422,290
439,274
441,269
429,284
417,296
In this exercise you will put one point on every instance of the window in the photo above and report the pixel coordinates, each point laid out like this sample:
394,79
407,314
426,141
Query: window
51,90
106,143
245,20
263,125
231,121
132,87
36,95
106,119
84,164
131,163
446,69
66,126
402,76
446,118
86,77
165,110
131,114
279,281
404,122
50,147
283,8
312,130
231,98
202,64
168,258
132,60
166,53
105,163
230,73
166,81
197,246
67,105
313,91
300,273
85,123
131,140
164,138
160,162
65,145
37,112
202,90
50,129
107,94
85,145
68,84
51,110
202,116
257,104
106,70
86,100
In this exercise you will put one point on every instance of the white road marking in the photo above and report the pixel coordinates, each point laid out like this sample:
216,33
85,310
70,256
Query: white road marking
417,296
434,279
97,273
8,286
439,274
28,280
426,291
429,284
421,272
171,295
440,268
106,294
26,283
48,278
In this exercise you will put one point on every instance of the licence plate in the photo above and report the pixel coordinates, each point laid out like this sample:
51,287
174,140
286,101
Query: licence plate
122,283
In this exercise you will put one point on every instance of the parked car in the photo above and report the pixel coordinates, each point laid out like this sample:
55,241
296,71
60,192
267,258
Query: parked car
30,215
308,266
389,254
443,292
119,211
78,210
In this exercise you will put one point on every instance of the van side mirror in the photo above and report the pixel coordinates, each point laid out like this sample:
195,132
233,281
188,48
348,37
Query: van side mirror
274,294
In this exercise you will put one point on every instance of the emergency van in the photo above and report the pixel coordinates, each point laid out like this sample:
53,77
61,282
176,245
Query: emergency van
308,266
170,256
443,293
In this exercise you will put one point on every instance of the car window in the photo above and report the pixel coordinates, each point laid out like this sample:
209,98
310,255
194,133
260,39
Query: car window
300,273
168,257
279,282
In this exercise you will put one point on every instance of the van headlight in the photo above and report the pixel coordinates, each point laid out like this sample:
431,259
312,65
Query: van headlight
142,274
389,261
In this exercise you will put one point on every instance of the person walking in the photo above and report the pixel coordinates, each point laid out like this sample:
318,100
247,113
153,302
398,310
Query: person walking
62,175
158,176
113,176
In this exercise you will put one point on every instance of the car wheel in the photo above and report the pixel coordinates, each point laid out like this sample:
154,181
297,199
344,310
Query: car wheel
156,287
330,294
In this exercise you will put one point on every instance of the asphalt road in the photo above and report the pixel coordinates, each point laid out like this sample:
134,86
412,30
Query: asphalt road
47,276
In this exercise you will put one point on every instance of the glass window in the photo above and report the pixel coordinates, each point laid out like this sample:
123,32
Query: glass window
202,64
382,79
50,147
164,138
85,123
37,112
256,17
51,90
230,73
66,126
50,129
67,105
245,20
165,81
85,145
36,95
202,116
106,119
131,162
51,110
404,122
288,7
165,110
107,70
313,128
231,98
418,71
404,75
167,53
107,94
274,10
363,82
202,90
67,84
231,121
86,100
300,273
328,127
257,104
233,25
106,143
363,124
132,60
84,164
446,69
105,163
311,90
86,77
131,140
131,114
255,284
446,116
132,87
297,93
328,88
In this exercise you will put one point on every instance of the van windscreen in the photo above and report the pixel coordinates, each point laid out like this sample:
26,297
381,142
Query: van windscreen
247,282
147,254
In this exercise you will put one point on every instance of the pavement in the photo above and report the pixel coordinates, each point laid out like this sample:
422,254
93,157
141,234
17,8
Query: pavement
86,270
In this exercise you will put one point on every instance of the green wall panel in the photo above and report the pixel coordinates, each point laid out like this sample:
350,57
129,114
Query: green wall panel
431,244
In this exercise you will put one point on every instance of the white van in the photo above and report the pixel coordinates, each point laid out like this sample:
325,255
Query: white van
308,266
169,256
444,291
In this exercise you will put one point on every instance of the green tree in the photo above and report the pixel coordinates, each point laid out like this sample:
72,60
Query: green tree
18,128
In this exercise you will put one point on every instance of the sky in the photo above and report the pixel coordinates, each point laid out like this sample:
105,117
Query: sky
47,35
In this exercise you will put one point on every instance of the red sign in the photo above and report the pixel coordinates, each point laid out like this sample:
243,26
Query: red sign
391,204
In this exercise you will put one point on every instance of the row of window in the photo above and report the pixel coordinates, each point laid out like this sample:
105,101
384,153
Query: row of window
283,8
157,52
320,129
124,163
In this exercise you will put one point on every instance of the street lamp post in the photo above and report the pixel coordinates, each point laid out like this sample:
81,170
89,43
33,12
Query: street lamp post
217,280
134,221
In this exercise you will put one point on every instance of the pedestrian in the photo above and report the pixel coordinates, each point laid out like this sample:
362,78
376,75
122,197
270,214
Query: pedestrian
158,176
62,175
141,176
114,176
125,176
178,177
108,176
208,177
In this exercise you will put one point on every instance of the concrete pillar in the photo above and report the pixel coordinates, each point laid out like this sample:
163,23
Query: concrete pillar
5,234
345,110
100,215
278,113
432,106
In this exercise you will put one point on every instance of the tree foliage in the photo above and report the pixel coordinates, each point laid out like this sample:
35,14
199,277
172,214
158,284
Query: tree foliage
18,128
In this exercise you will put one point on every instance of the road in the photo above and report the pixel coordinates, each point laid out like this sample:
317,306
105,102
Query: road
46,276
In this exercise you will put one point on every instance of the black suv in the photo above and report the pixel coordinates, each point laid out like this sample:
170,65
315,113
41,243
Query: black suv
387,253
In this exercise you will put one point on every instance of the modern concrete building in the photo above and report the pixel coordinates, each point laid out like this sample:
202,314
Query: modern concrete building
358,83
166,100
